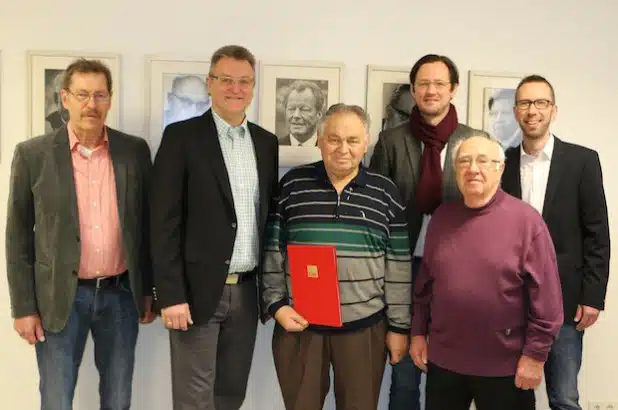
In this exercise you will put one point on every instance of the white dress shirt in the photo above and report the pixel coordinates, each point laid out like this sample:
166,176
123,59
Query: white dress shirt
534,172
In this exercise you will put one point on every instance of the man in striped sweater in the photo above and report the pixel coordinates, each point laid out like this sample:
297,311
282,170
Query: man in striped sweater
338,202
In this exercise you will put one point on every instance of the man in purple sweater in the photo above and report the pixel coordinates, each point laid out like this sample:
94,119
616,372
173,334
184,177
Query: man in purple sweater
487,301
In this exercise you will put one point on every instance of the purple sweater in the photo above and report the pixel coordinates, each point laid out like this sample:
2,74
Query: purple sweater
488,289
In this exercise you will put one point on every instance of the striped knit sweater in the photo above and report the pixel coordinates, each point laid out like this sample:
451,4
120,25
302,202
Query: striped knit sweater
366,224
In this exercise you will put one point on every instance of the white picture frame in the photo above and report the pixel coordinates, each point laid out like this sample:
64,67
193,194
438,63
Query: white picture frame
44,73
491,95
382,82
162,74
276,79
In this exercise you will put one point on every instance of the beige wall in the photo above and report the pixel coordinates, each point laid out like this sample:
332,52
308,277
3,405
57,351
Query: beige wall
570,42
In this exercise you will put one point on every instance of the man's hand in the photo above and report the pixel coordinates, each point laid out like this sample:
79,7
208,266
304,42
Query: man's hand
397,345
586,316
529,373
177,317
418,352
30,328
290,320
149,315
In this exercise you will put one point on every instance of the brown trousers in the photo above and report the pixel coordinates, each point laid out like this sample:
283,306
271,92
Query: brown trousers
303,359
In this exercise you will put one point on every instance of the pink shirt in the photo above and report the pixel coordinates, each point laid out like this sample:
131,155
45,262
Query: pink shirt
102,252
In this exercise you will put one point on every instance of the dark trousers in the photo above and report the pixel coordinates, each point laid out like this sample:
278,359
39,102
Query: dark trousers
211,362
447,390
303,360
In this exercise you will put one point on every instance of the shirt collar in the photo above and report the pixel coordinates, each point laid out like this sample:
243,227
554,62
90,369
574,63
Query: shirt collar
311,142
74,142
545,153
224,128
359,180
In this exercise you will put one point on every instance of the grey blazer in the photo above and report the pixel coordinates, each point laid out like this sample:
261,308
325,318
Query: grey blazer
397,155
42,231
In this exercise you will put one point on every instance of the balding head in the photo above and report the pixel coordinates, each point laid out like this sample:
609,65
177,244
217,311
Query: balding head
479,163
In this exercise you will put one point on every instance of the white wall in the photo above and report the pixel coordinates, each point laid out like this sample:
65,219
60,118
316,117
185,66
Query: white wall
569,41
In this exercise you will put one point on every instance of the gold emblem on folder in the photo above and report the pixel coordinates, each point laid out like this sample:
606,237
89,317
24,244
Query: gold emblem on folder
312,271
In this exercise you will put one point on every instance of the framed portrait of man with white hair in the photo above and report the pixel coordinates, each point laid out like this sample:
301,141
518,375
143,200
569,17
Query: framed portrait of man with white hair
176,90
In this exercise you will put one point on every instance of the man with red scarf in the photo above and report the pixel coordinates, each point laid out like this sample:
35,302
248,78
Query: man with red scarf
413,156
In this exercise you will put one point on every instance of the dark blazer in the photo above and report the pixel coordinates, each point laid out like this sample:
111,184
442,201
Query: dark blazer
397,155
575,212
192,212
42,231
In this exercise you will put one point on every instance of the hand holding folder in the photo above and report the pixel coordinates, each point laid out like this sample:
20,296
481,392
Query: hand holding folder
291,320
315,283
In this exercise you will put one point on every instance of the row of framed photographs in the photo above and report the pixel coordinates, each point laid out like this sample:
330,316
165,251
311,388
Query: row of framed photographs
291,97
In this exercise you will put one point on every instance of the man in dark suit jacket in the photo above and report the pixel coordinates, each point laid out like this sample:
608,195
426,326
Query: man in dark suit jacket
413,156
213,180
77,243
564,183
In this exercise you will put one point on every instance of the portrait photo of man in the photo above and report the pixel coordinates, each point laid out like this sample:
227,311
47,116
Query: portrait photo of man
500,119
56,116
187,97
301,104
399,103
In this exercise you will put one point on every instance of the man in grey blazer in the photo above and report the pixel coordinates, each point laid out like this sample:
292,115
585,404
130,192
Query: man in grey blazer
413,156
76,243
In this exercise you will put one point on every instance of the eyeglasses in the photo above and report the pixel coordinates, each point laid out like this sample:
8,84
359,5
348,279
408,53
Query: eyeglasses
482,162
438,85
540,104
243,82
83,97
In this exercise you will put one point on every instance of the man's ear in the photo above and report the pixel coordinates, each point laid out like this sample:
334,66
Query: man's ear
454,89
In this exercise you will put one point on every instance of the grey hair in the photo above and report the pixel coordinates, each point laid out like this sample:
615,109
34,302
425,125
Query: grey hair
302,85
342,108
455,153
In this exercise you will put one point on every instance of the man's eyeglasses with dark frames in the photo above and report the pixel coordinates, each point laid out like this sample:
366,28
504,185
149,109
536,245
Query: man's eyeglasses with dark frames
540,104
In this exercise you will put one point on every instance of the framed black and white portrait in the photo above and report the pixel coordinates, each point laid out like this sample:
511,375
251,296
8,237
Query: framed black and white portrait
491,99
45,77
176,90
292,99
389,100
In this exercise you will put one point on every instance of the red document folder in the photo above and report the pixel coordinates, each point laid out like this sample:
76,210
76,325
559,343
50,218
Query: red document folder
315,283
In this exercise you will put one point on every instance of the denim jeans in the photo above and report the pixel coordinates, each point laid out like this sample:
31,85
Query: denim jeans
405,390
112,317
562,368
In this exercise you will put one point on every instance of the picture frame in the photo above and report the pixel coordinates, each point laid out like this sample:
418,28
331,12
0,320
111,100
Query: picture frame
44,76
385,83
491,100
175,90
292,97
